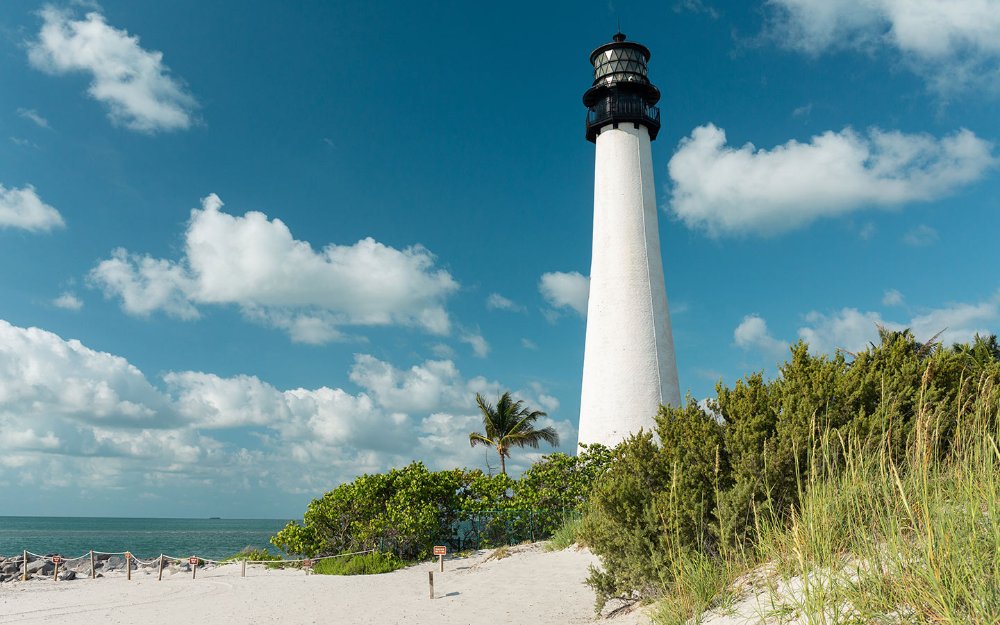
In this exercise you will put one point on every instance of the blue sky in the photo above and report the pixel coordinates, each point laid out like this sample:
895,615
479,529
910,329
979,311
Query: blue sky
250,250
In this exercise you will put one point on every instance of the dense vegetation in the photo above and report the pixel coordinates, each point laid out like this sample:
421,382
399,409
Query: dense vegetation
889,456
363,564
406,511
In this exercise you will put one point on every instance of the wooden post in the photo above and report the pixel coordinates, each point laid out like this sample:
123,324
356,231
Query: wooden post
243,572
55,573
430,578
24,565
159,574
193,561
441,562
128,565
93,570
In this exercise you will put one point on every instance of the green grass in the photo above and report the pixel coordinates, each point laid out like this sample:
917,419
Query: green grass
365,564
875,540
565,536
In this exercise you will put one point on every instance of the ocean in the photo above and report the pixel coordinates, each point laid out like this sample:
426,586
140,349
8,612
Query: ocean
74,536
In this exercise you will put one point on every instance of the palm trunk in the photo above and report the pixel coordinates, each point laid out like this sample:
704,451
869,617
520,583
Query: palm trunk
503,465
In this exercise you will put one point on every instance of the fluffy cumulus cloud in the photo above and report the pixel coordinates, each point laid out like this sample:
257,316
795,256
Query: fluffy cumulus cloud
852,330
752,333
22,208
255,263
566,290
954,43
107,426
728,190
131,81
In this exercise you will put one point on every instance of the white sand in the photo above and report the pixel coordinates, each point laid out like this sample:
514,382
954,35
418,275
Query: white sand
529,587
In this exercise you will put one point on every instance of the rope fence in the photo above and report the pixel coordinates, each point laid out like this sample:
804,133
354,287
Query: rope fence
162,561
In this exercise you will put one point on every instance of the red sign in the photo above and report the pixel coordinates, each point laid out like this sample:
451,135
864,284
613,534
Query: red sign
307,564
193,561
56,559
440,550
128,554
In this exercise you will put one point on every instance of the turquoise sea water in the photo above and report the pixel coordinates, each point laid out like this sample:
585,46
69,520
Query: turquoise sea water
73,536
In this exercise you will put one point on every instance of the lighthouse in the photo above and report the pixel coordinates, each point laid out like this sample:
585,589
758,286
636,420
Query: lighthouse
629,367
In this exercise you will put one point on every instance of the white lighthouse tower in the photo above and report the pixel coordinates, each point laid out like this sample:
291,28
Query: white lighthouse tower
629,367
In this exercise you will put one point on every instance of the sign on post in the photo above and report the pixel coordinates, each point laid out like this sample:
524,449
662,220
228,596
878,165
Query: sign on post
440,551
193,561
56,560
307,564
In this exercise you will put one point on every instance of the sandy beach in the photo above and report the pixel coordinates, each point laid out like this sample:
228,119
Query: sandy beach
529,586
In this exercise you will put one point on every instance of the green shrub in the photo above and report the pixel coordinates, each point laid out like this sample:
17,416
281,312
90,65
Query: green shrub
704,488
253,554
403,510
653,502
565,536
364,564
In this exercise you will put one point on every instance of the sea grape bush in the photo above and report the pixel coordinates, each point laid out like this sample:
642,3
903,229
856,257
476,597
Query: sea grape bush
698,489
405,511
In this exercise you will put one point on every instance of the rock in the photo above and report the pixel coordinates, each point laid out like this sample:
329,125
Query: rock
67,576
40,566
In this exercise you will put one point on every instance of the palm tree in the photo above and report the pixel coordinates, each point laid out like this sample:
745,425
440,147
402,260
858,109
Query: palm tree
510,424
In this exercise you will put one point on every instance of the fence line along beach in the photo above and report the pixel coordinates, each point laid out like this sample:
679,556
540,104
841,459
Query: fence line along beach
548,585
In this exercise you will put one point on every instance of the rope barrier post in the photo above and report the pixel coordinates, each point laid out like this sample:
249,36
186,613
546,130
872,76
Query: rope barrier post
55,573
159,574
430,578
128,565
24,566
93,569
243,572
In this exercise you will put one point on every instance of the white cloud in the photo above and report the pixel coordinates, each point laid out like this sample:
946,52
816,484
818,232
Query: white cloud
480,347
566,290
752,333
22,208
921,236
731,191
68,301
256,264
955,44
495,301
892,297
852,330
33,116
133,82
111,428
529,344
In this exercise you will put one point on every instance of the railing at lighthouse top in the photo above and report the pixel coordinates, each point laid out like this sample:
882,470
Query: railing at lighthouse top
616,108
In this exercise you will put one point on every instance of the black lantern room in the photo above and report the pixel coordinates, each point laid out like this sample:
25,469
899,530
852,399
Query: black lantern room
621,91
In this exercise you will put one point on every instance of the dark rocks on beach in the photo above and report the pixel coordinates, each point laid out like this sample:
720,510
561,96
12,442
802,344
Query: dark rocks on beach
67,576
41,566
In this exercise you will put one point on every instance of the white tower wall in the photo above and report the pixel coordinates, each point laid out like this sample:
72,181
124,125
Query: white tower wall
629,367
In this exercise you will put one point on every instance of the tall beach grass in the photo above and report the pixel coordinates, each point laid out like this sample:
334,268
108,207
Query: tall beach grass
875,539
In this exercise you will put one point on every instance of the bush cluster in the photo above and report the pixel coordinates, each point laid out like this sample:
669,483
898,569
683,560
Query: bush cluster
406,511
699,486
364,564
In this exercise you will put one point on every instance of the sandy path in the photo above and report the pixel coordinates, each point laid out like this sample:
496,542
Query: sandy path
531,586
